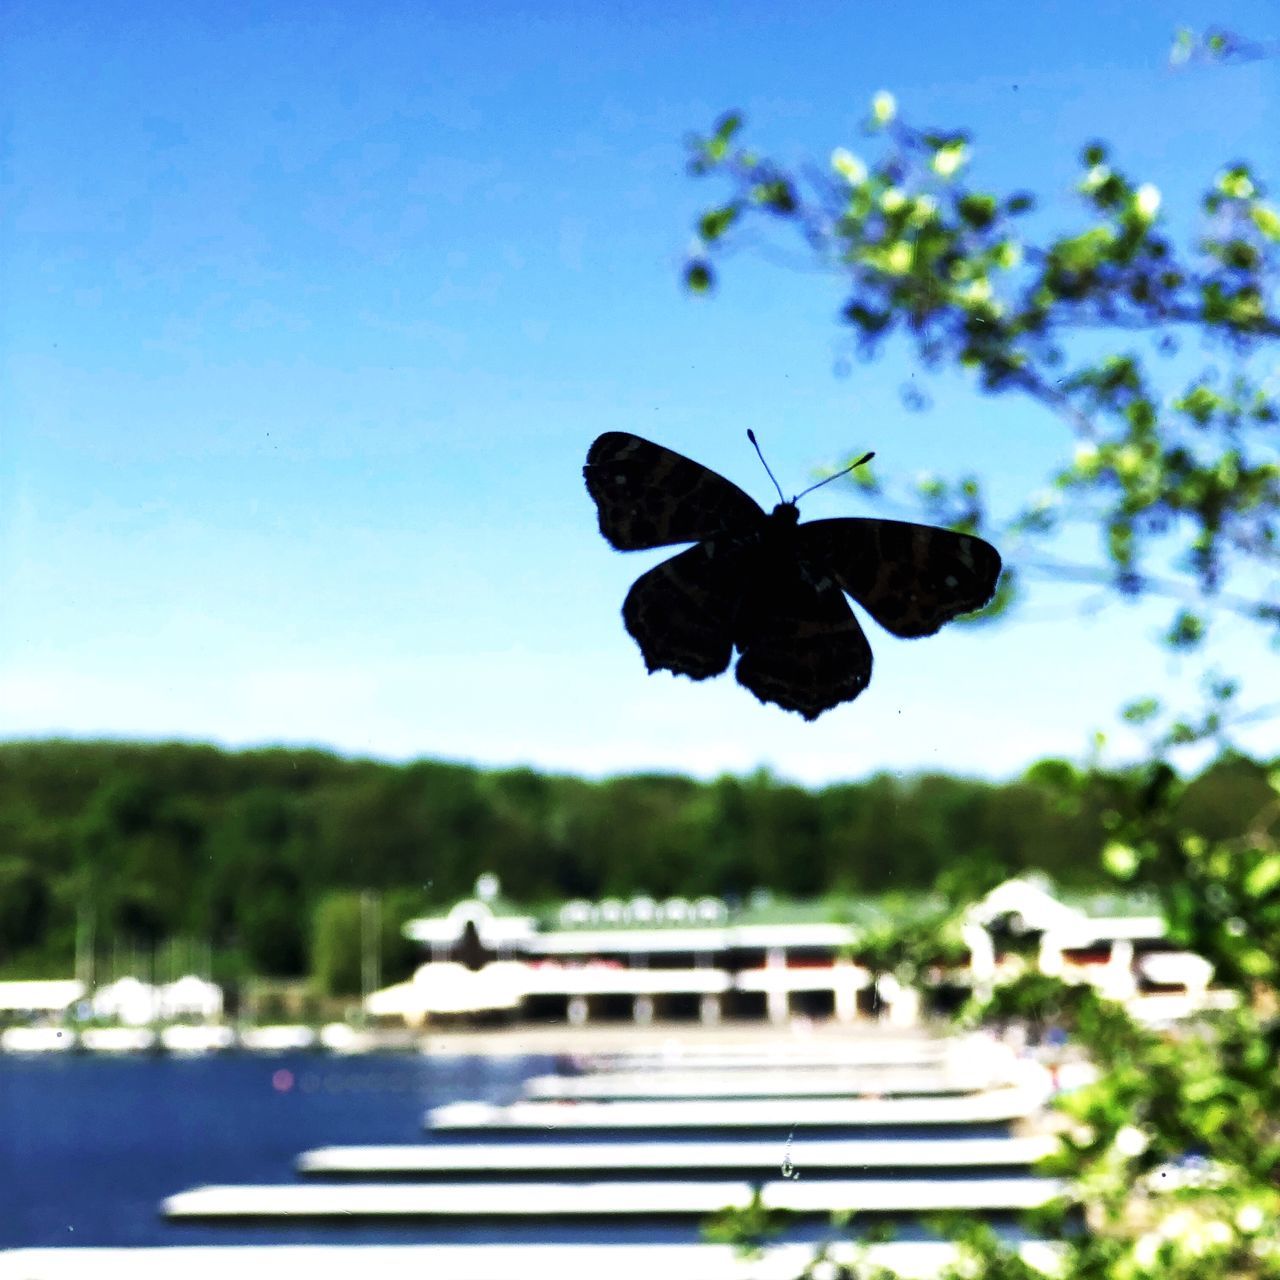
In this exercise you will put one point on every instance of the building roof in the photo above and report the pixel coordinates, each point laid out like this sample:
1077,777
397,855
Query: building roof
642,924
497,924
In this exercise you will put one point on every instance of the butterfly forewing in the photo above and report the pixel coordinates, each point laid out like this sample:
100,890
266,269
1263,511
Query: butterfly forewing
911,578
648,496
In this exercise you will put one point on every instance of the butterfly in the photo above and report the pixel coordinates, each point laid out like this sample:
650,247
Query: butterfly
767,585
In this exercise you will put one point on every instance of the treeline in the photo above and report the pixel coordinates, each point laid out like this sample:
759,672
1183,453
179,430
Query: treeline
241,851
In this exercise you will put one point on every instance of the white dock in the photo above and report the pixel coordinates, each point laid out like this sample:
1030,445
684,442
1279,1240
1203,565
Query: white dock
37,1039
550,1200
118,1039
772,1082
675,1157
992,1106
278,1039
791,1055
911,1260
197,1039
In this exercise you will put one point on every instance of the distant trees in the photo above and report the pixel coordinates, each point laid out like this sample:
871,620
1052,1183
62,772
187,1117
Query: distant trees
251,852
337,944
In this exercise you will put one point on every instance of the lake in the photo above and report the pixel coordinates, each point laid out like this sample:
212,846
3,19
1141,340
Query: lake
89,1146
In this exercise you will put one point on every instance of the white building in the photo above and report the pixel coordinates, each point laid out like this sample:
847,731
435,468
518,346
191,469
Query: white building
129,1001
39,997
638,959
189,998
644,959
1116,944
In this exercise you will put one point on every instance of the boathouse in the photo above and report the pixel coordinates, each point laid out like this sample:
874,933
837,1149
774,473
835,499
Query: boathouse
702,959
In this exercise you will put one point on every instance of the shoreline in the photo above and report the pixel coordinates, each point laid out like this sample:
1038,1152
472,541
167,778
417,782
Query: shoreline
508,1041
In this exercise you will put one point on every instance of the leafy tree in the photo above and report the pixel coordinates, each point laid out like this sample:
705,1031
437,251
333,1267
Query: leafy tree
24,905
910,939
337,944
1182,487
1158,358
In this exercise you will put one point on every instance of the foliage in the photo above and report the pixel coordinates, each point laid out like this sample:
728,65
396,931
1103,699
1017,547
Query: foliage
1182,485
1173,1152
908,942
337,944
748,1229
240,850
1218,45
1151,352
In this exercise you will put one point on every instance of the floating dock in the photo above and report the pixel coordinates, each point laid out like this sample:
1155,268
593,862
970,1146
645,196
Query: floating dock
278,1039
37,1039
791,1055
118,1039
910,1259
674,1157
771,1082
552,1200
994,1106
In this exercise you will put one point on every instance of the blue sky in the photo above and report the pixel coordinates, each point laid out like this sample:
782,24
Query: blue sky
310,313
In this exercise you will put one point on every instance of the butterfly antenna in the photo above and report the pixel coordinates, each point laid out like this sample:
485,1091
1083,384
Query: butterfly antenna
751,435
853,466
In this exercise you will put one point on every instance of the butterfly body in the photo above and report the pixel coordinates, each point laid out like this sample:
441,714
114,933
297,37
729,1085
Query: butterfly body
767,585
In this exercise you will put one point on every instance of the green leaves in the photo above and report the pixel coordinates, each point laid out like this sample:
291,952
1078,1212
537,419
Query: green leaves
776,194
708,152
748,1229
1179,484
1186,632
945,265
884,107
715,222
698,276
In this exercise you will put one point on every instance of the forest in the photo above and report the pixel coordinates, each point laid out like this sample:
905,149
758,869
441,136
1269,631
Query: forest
245,853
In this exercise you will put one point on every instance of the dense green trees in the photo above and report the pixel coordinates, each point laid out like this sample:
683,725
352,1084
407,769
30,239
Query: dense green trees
252,852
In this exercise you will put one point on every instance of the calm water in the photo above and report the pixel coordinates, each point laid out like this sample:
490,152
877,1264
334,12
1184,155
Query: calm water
90,1146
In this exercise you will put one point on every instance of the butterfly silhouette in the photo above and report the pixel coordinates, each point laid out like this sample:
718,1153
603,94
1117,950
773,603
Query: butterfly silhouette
767,585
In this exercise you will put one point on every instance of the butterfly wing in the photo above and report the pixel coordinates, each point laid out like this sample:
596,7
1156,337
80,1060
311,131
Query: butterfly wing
911,578
804,650
648,496
681,612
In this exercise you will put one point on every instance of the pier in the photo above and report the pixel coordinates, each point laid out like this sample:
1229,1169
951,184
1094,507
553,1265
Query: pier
992,1106
773,1082
552,1200
675,1157
910,1259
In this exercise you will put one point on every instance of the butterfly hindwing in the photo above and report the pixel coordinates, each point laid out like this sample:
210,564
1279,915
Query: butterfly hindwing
805,651
911,578
681,612
649,496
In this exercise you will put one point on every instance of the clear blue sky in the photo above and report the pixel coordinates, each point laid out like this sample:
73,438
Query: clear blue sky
310,312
